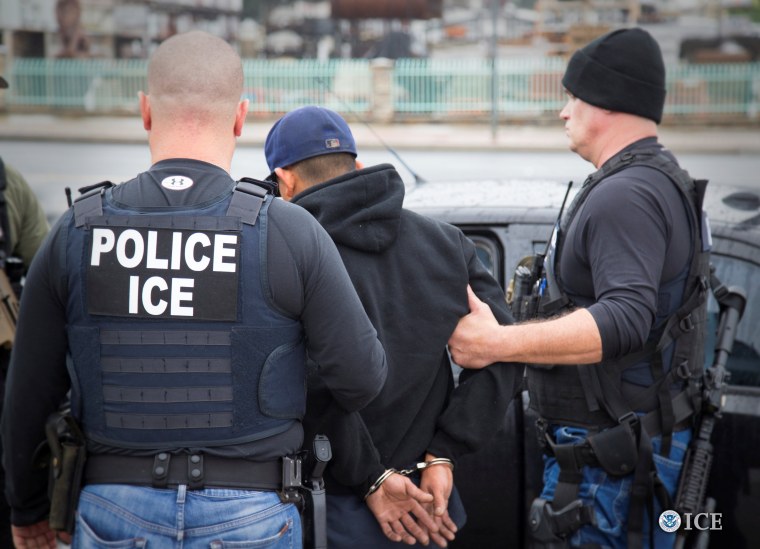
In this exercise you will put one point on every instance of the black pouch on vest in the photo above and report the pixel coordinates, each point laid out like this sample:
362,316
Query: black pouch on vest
68,455
616,449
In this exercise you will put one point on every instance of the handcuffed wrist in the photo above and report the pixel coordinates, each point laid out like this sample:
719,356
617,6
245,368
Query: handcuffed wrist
438,461
379,482
406,472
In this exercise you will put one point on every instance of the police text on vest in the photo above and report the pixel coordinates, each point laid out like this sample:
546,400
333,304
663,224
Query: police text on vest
161,272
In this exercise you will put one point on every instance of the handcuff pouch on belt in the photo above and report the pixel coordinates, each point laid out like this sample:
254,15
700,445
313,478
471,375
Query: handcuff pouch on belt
616,449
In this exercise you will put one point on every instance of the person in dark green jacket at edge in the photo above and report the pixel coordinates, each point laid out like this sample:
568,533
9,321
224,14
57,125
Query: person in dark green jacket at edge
23,227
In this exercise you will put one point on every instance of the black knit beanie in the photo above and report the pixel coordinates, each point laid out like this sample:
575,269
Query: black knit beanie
621,71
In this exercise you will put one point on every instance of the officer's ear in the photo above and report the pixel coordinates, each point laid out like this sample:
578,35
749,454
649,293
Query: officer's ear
240,114
359,165
145,110
287,182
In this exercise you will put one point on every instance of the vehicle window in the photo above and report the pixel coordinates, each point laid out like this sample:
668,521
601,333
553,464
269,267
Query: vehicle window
744,362
489,252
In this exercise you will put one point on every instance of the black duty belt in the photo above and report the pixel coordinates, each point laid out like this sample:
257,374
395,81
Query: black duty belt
196,471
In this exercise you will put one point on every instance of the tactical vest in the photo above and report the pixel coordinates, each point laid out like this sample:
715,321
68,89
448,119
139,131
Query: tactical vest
173,341
591,396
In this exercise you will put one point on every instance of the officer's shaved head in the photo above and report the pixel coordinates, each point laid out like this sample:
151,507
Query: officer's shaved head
195,75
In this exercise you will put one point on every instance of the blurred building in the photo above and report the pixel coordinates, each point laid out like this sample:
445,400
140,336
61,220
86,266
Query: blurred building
394,29
108,28
259,28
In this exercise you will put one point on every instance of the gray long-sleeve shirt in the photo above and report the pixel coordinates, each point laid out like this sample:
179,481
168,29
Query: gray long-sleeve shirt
631,237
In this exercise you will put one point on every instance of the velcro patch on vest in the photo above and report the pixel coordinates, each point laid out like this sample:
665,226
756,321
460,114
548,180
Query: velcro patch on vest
163,273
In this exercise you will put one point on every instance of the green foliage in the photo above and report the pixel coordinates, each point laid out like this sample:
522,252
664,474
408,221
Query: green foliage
753,11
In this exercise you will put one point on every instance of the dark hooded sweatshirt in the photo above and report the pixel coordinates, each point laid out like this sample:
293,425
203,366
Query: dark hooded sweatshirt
411,274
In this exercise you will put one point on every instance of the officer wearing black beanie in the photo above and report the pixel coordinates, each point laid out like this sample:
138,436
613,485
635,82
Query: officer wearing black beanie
620,71
625,261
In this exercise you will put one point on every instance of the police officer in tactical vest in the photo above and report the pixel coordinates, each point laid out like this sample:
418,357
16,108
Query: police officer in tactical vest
613,367
178,309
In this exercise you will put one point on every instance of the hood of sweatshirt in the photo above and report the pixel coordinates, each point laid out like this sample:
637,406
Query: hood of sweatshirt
361,209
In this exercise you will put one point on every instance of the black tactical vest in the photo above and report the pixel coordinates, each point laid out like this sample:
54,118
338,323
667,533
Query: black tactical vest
592,396
173,341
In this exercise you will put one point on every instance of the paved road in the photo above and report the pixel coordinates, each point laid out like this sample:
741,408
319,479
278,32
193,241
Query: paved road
419,136
51,166
55,152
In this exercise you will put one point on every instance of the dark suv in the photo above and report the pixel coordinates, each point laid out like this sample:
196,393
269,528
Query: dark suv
509,220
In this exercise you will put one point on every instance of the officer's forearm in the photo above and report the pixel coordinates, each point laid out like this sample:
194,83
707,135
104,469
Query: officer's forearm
571,339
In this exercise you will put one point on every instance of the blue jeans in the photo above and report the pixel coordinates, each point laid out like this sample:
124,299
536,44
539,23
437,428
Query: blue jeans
610,496
122,516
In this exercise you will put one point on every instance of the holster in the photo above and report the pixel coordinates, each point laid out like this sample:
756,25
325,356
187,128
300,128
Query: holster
314,516
546,530
67,460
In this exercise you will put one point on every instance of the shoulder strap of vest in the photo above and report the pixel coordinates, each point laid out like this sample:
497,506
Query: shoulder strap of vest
614,165
692,191
247,200
5,241
270,186
687,318
90,202
555,299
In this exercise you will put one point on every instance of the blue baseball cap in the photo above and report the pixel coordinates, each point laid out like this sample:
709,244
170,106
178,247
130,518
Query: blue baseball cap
307,132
